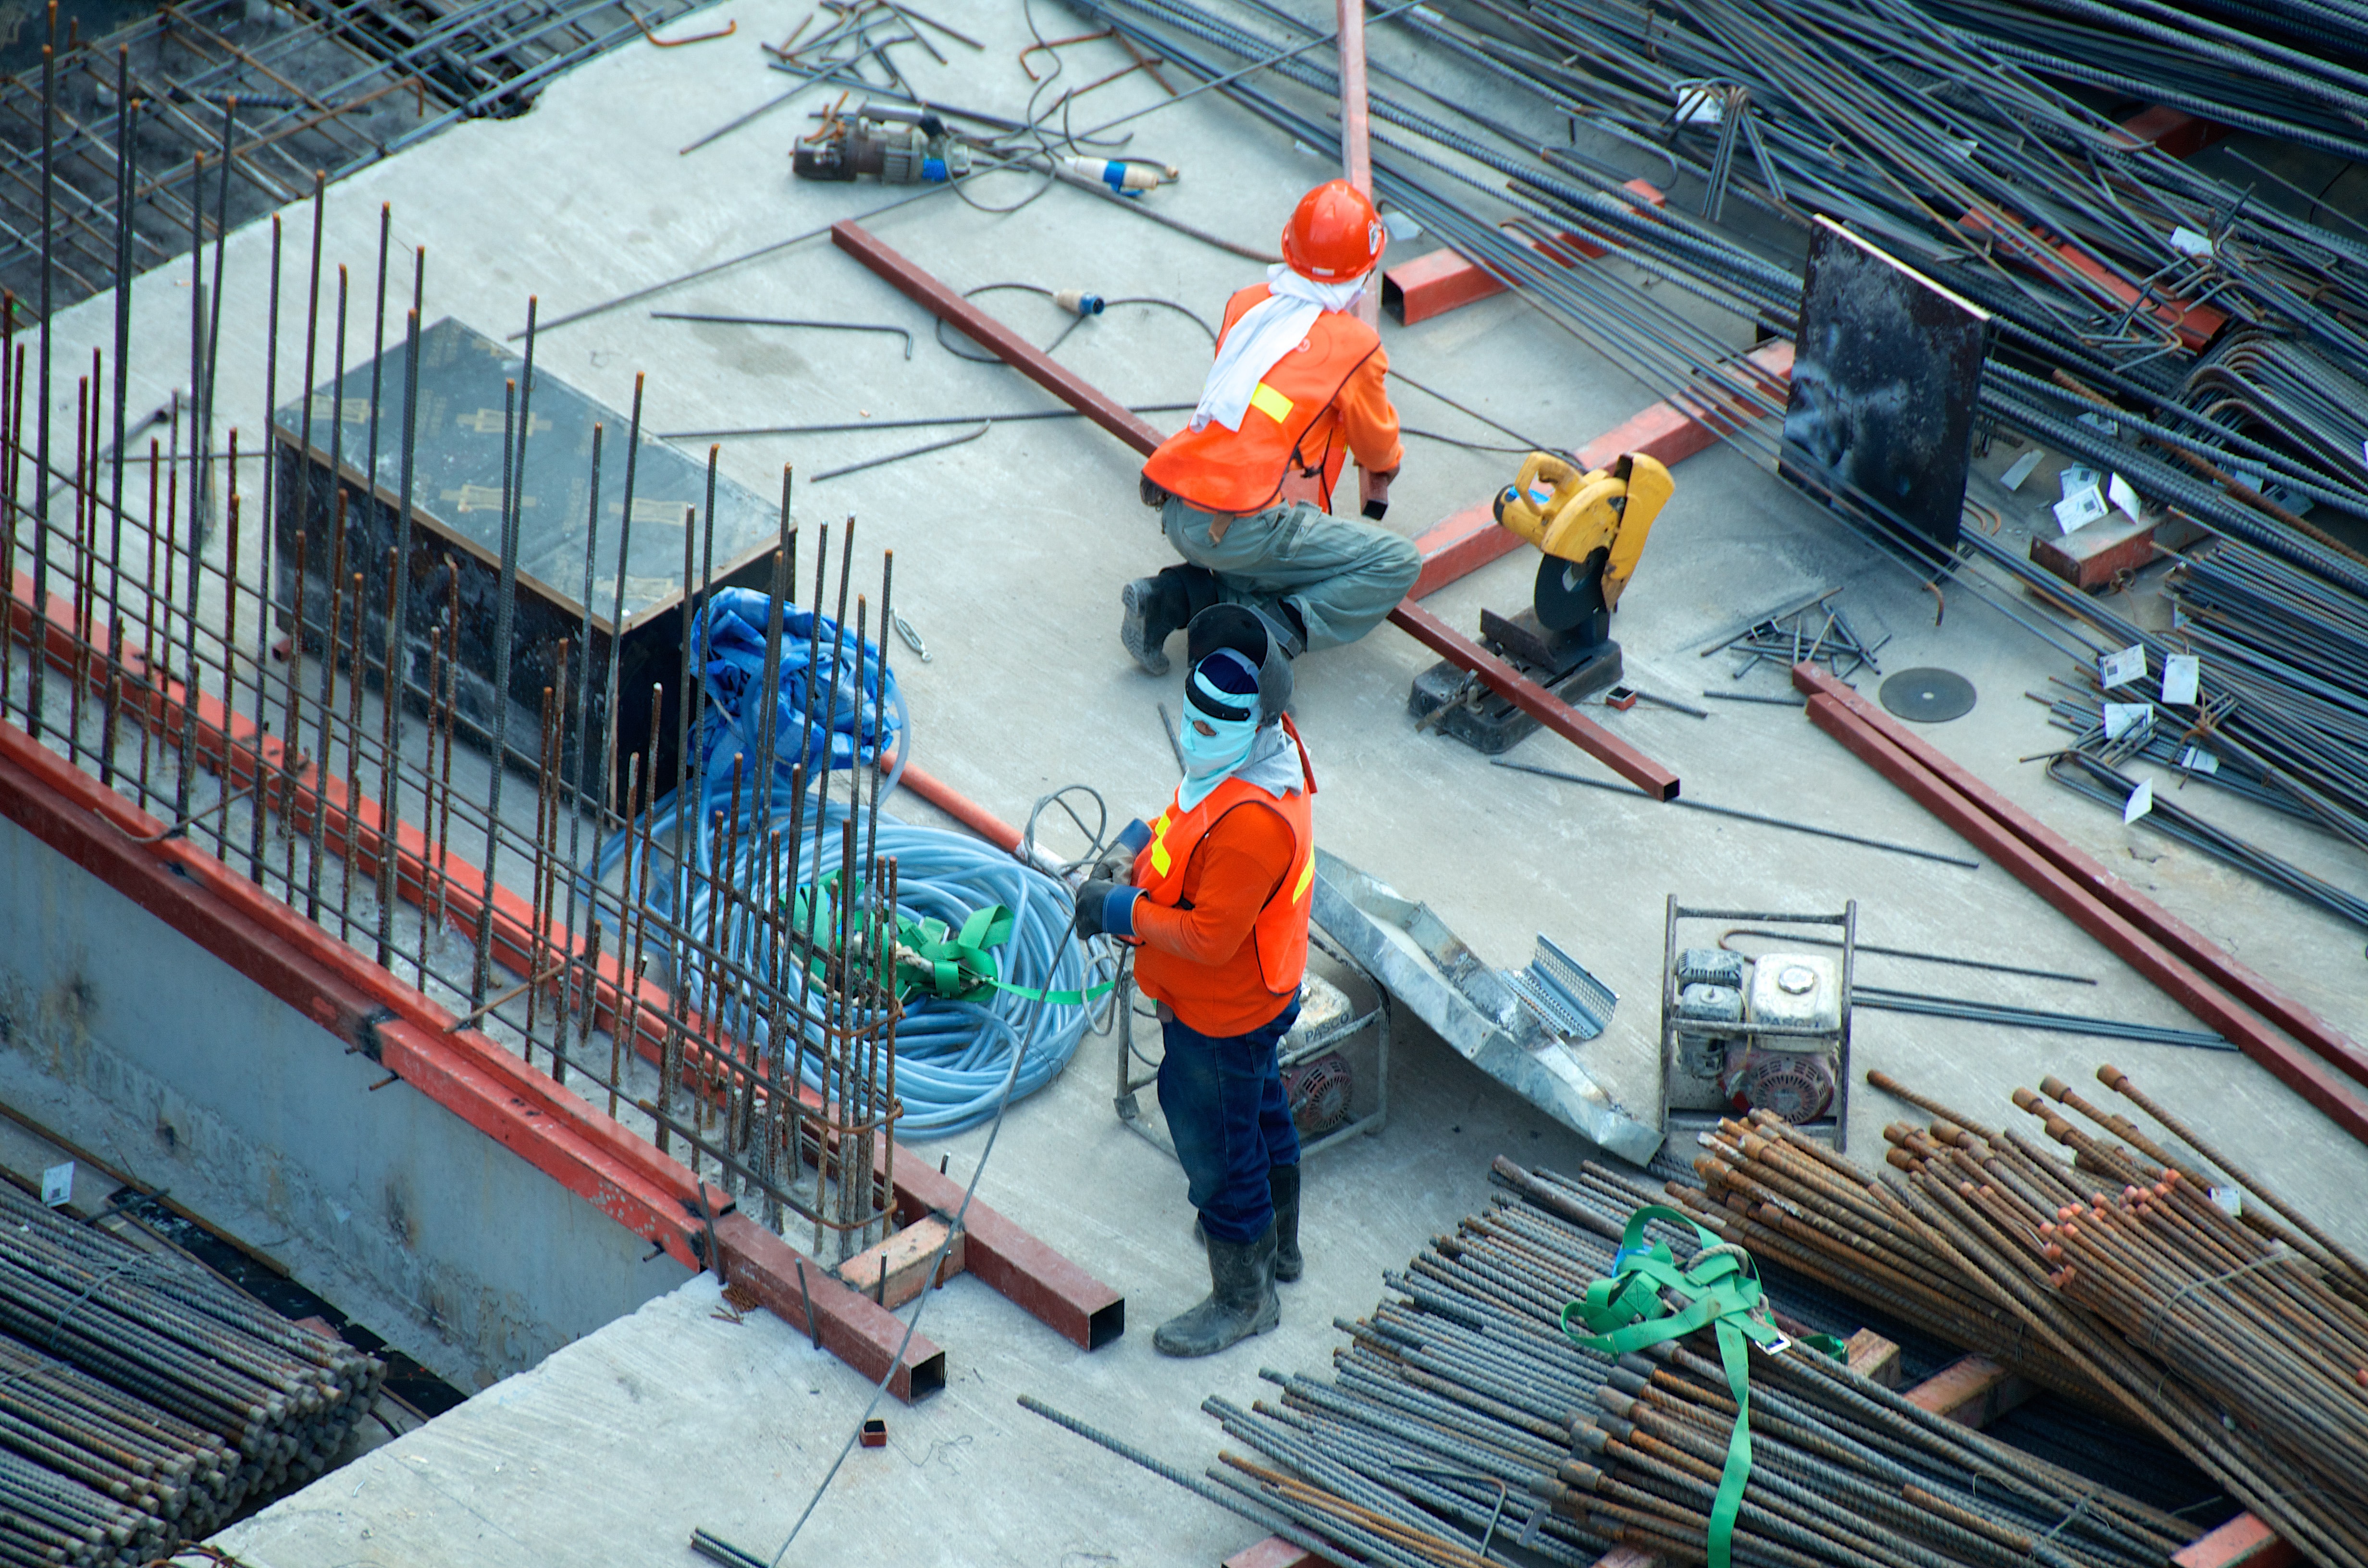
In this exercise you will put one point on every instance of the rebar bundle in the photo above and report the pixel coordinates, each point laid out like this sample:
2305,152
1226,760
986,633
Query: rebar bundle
2113,1274
143,1400
1461,1425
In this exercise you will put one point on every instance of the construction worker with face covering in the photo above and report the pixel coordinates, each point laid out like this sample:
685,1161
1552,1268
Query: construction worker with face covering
1245,489
1216,895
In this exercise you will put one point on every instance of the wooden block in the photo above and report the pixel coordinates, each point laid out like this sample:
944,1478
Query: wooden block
1275,1553
2091,558
1438,282
892,1272
1872,1356
1972,1392
2243,1542
2176,131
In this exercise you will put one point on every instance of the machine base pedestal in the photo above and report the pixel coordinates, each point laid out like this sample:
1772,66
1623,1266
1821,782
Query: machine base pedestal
1488,723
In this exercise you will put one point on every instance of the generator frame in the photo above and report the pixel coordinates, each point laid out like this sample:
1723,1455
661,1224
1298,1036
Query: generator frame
1295,1047
1836,1125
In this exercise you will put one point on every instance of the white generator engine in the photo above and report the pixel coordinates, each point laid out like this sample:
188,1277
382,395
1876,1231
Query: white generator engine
1790,1075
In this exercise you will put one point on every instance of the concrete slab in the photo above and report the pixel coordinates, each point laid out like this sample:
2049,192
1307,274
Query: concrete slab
1010,551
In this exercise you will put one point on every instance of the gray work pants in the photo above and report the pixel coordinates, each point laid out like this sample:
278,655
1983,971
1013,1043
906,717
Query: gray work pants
1342,577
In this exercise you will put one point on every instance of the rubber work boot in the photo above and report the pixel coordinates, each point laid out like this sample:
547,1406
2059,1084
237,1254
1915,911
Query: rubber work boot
1283,1183
1241,1300
1158,608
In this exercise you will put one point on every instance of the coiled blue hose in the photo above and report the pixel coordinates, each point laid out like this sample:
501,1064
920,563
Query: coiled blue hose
951,1057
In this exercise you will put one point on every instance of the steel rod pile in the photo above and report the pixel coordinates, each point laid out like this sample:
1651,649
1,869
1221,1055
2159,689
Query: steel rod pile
2154,323
143,1400
1461,1426
2110,1272
155,110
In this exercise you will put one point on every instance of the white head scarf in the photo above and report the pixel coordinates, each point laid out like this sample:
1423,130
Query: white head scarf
1267,331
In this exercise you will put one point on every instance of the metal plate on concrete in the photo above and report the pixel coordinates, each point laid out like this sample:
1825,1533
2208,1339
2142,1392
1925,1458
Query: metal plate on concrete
1928,696
1423,964
1879,419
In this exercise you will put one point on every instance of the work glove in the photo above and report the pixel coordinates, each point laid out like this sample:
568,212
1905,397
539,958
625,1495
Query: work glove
1118,864
1374,488
1107,909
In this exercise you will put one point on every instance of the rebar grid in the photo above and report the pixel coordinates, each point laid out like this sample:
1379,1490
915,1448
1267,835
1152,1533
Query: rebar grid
290,734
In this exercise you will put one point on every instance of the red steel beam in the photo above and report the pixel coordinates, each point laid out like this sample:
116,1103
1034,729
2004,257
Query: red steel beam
925,290
1072,1302
1671,430
1875,743
1536,702
1443,280
2192,946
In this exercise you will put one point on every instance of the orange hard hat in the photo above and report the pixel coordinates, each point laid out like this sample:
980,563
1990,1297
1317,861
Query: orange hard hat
1334,234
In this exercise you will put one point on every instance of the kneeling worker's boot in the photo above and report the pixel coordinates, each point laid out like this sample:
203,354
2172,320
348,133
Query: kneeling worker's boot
1283,1185
1241,1300
1158,608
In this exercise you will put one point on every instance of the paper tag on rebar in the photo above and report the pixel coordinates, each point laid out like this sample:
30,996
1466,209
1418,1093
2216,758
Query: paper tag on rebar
2141,802
2181,675
2077,512
2188,242
2196,759
2020,470
2099,422
2228,1201
1700,103
2118,490
2074,478
57,1185
2121,668
2126,717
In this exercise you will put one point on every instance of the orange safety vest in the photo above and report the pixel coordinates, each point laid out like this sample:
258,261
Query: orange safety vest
1238,472
1279,933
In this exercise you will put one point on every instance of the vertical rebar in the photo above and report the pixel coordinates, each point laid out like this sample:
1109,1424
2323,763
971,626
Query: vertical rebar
354,686
293,730
36,671
123,179
398,659
266,591
504,608
326,737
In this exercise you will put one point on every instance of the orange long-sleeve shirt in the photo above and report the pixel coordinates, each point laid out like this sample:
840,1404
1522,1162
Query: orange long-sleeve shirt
1197,957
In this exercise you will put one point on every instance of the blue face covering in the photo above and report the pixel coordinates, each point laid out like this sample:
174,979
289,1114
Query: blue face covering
1208,760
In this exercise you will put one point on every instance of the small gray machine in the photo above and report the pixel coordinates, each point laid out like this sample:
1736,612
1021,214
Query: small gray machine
1768,1033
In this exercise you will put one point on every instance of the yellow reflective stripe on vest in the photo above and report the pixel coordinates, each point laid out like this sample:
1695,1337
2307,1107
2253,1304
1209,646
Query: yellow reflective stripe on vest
1270,402
1161,861
1306,878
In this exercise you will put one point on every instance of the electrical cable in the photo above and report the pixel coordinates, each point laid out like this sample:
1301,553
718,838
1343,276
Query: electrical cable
951,1052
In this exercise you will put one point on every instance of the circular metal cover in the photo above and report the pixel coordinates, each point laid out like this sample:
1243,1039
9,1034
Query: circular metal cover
1927,697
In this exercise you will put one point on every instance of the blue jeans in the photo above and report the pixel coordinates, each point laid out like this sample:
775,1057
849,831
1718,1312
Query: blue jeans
1223,1098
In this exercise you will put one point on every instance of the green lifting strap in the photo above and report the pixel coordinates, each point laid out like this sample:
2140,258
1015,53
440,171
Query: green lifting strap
1723,1292
933,958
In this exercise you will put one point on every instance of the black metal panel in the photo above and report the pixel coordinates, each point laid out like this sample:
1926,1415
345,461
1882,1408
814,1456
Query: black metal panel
456,534
1880,419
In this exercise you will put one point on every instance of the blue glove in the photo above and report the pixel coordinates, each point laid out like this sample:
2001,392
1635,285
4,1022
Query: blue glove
1107,908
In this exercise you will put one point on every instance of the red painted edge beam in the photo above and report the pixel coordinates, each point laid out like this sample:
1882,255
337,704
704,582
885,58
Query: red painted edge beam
1875,743
925,290
1670,431
1536,702
2192,946
501,1095
350,997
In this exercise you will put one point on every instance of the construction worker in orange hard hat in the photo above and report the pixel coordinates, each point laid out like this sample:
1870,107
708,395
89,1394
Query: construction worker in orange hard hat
1245,489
